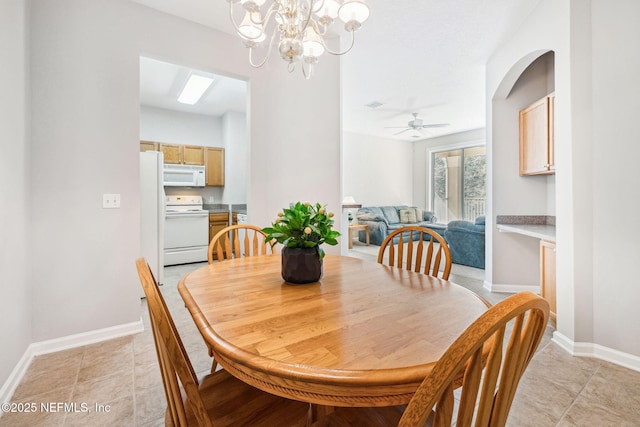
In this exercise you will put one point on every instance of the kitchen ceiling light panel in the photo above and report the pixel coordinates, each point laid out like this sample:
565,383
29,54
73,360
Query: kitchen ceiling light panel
194,89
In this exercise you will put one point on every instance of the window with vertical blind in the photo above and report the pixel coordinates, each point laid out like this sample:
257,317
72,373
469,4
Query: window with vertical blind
458,189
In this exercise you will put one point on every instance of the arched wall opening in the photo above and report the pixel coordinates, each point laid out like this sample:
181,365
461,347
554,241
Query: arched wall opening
514,260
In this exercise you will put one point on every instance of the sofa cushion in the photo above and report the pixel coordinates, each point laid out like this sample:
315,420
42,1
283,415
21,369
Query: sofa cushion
408,216
480,220
391,213
371,213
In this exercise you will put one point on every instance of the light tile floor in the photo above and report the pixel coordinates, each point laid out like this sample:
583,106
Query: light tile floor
119,380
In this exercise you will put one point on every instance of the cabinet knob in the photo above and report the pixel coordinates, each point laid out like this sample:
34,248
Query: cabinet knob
546,165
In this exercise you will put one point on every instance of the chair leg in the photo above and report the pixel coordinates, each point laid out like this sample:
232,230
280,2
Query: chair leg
214,366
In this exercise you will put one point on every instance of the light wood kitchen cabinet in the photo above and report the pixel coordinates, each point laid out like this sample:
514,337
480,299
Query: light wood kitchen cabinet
148,146
215,166
548,275
172,153
217,221
192,155
537,138
177,154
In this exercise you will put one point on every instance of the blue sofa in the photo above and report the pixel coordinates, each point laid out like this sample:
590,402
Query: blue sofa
384,219
466,242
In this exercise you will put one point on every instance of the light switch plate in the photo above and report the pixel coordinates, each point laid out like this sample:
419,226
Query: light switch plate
110,201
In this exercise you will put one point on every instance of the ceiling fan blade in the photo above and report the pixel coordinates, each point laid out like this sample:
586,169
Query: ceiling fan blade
435,125
402,131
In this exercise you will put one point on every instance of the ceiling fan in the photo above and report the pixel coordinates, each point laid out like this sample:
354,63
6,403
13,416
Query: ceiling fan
417,125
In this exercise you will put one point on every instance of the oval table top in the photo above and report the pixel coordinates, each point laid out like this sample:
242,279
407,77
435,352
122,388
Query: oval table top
366,334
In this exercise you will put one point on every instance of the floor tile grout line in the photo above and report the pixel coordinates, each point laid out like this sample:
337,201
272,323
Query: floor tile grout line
573,401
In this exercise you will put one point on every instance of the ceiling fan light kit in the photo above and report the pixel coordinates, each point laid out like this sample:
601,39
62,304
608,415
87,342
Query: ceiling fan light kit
301,27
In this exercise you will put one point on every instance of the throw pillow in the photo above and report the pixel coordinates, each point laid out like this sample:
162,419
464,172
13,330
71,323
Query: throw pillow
408,216
420,214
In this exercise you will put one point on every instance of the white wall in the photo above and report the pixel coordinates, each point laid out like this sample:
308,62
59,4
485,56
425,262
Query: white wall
616,175
85,143
421,161
377,171
295,140
15,304
596,61
176,127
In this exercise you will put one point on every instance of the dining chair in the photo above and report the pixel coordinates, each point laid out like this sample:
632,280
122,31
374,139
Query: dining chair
218,398
420,255
237,241
486,362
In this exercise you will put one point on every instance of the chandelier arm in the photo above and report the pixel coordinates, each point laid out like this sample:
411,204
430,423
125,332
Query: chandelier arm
306,21
270,11
264,61
233,21
353,38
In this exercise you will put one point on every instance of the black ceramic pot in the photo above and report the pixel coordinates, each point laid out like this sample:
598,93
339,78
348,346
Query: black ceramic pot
301,265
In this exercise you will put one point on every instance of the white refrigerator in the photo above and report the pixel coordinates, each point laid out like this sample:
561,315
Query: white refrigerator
152,211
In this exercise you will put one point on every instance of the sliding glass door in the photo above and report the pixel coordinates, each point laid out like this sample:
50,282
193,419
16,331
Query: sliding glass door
458,188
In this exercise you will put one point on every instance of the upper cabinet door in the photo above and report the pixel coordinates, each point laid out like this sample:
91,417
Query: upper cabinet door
172,153
215,166
536,138
192,155
148,146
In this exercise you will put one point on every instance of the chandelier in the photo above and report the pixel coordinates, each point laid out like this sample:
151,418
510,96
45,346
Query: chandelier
301,27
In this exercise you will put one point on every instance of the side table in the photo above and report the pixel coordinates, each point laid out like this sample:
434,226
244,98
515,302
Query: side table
357,227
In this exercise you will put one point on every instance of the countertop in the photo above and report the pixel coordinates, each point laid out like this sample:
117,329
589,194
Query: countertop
538,226
222,208
544,232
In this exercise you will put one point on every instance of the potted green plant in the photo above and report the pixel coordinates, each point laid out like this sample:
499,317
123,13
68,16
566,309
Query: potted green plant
302,228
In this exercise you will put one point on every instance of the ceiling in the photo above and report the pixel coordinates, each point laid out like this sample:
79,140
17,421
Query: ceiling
412,56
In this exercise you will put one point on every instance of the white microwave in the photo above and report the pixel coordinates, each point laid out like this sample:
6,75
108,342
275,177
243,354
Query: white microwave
183,176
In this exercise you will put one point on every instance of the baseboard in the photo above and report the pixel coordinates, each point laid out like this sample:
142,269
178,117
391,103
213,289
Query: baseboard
510,289
597,351
63,343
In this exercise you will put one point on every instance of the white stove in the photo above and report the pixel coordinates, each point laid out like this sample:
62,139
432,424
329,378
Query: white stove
186,231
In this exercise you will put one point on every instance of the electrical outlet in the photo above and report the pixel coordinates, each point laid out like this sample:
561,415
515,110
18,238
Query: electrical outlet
110,201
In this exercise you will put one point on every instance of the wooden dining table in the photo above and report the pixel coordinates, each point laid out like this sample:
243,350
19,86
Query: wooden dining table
366,334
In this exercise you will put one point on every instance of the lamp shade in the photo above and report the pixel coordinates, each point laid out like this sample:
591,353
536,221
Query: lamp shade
353,10
249,30
328,9
349,202
312,44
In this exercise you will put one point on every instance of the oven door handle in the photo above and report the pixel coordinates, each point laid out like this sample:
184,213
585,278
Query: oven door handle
187,215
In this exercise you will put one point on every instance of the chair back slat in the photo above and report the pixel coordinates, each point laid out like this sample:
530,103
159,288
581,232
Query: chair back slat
490,374
240,240
173,358
419,255
416,255
410,251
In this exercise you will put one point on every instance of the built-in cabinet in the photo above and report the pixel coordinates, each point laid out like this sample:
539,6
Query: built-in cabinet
537,138
210,157
218,221
214,161
548,275
182,154
148,146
